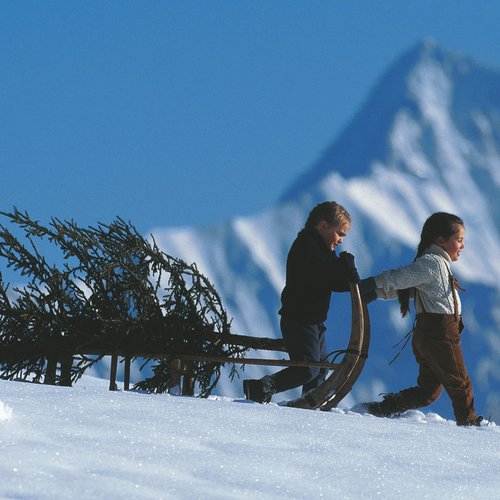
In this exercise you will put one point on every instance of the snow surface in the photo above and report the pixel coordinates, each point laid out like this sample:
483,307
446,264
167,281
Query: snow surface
87,442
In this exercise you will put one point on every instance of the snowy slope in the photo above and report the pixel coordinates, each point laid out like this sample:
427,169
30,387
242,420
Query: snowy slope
85,442
427,139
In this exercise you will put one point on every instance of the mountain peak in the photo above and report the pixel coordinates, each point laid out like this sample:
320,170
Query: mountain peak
428,82
429,49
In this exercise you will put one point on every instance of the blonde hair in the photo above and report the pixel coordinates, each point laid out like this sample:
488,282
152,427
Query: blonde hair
329,211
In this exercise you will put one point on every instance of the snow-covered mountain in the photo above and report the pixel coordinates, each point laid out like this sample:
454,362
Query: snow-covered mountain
427,139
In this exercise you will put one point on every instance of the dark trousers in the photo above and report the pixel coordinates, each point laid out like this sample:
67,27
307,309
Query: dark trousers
437,349
304,343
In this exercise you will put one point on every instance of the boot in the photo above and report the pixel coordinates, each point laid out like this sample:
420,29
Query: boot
259,390
473,422
390,406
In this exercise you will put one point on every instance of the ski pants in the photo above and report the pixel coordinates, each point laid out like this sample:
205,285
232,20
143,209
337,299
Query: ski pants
304,343
437,349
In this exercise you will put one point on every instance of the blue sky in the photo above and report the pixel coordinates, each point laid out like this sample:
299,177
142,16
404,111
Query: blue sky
171,113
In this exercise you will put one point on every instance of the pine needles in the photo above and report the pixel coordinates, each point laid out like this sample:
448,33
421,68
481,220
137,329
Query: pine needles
111,291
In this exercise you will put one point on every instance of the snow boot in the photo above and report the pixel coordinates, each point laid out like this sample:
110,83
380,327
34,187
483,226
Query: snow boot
391,406
473,422
259,390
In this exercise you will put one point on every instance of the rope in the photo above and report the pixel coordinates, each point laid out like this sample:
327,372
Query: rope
337,353
405,339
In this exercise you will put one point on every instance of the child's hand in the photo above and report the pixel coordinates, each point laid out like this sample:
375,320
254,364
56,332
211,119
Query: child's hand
347,260
367,289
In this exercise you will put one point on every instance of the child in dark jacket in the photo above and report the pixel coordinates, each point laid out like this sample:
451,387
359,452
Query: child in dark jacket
313,271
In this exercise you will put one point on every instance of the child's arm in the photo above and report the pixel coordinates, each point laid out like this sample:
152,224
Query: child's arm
386,284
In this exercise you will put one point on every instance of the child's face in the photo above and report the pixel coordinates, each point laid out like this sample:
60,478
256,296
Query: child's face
332,235
454,244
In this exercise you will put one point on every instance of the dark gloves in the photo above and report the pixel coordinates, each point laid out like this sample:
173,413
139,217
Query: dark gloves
367,286
347,261
367,289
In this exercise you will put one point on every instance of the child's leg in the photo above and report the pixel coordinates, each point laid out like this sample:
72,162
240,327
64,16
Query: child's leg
428,386
443,353
426,391
303,344
323,353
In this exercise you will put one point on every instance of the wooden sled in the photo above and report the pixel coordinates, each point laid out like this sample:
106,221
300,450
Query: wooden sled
343,374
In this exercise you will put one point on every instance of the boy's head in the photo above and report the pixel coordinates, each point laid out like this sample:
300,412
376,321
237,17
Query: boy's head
329,211
331,220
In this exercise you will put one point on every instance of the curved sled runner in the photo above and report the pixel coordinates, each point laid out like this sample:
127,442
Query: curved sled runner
358,368
329,394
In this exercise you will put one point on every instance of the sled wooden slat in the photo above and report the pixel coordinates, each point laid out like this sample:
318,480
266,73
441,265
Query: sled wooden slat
177,369
112,373
126,373
258,361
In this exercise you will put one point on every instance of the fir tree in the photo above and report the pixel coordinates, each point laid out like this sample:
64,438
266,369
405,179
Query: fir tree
112,291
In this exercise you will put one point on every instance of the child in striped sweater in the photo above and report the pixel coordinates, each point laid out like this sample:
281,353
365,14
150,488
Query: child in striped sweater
438,327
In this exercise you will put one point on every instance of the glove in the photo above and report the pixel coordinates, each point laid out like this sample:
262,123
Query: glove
367,289
347,261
